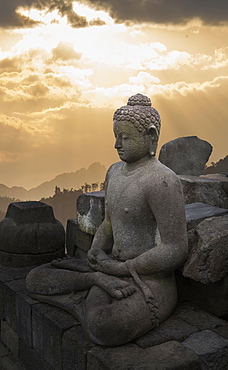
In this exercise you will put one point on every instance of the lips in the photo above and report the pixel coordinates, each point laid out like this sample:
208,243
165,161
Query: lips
120,152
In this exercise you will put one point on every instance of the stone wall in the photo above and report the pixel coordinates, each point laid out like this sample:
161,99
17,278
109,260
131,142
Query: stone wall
38,336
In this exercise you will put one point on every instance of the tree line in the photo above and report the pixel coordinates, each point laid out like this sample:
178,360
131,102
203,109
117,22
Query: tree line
63,201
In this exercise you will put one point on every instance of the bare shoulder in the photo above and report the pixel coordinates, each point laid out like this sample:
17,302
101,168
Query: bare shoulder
163,179
115,167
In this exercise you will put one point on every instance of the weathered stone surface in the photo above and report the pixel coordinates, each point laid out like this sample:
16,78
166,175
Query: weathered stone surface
74,349
211,349
3,350
56,322
197,317
30,212
77,242
7,275
2,316
222,331
171,329
10,338
30,227
168,356
32,359
10,298
9,362
23,259
199,189
38,312
24,316
90,211
208,258
211,297
222,177
10,274
197,212
186,155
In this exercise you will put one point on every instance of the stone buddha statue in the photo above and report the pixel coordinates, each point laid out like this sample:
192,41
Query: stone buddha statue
126,286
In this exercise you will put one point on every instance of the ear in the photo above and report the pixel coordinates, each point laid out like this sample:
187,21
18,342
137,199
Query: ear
153,134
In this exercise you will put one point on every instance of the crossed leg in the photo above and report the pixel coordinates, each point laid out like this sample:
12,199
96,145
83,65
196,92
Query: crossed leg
112,312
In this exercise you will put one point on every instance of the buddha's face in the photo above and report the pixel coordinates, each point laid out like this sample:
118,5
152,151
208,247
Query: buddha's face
131,144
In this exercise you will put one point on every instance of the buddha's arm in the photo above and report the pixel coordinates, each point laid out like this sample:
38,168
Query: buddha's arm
102,242
166,202
103,239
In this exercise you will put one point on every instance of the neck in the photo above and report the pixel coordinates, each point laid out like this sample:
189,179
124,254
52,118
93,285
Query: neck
135,165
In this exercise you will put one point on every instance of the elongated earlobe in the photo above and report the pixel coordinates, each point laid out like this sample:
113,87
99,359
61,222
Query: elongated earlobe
153,133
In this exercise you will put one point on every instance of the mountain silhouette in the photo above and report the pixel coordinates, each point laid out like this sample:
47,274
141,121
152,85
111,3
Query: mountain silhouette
94,173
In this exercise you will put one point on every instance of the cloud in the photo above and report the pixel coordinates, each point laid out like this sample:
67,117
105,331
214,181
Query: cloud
144,78
9,17
65,51
11,13
160,11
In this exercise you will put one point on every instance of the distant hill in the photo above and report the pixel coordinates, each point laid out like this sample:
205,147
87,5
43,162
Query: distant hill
94,173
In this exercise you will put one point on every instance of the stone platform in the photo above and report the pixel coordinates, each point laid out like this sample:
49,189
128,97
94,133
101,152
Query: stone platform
38,336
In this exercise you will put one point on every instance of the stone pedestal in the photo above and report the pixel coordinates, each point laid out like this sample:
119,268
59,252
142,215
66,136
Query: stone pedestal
30,235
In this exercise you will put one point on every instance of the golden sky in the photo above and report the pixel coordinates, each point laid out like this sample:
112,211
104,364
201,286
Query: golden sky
65,66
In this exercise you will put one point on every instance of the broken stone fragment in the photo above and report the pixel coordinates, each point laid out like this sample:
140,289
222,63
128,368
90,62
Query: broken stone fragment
204,190
208,257
90,211
186,155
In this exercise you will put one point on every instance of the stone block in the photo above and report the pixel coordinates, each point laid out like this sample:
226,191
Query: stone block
23,259
2,316
10,338
31,359
90,211
211,297
197,212
4,351
222,177
77,242
38,312
10,310
211,349
7,275
30,230
198,318
168,356
172,329
186,155
56,322
10,363
74,349
208,258
30,212
203,190
222,331
24,316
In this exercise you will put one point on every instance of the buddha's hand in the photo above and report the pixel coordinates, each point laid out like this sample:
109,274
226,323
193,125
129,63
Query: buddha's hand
95,255
110,267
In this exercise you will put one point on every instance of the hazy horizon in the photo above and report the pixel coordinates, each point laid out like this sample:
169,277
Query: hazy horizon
66,66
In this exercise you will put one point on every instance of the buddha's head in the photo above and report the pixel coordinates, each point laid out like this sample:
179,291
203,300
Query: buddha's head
137,128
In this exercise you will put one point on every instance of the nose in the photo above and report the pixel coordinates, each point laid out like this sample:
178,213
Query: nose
118,143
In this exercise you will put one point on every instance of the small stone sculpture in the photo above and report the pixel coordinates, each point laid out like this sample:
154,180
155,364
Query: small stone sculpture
30,235
127,285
